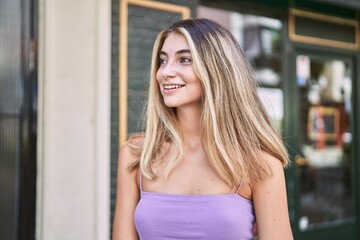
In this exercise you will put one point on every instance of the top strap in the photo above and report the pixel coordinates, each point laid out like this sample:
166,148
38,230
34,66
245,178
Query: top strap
140,182
238,189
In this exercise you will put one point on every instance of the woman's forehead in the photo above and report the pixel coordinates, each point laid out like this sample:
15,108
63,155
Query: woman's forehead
174,42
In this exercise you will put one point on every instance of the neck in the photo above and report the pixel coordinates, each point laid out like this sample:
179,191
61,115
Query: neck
189,120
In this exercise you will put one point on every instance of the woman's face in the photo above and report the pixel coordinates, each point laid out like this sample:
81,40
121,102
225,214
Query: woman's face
177,80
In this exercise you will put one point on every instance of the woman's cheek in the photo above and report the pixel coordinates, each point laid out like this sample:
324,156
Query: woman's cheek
158,76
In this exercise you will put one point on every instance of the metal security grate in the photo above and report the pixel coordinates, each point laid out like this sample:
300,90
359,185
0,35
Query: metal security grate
10,114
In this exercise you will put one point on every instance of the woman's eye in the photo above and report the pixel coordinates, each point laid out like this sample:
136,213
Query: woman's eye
162,61
185,60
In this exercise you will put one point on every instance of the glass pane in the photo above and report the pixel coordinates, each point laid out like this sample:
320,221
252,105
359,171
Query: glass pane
325,87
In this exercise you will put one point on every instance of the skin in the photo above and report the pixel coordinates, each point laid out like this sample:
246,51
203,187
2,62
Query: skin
194,175
127,197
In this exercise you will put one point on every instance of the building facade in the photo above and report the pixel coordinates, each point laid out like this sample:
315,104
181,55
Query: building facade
55,119
305,55
73,86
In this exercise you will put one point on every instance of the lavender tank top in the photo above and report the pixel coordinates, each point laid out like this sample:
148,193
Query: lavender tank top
160,216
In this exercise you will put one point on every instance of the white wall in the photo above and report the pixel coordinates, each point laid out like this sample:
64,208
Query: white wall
73,199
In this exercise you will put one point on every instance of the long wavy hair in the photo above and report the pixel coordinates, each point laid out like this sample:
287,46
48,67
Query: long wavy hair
235,128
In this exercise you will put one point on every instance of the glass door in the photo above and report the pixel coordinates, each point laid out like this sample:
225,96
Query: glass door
324,160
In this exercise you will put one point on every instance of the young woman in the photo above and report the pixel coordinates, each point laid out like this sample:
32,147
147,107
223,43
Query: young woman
210,163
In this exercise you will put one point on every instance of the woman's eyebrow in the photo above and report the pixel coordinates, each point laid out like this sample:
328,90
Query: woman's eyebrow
162,53
181,51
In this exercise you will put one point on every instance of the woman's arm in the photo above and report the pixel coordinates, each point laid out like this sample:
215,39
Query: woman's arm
127,197
270,203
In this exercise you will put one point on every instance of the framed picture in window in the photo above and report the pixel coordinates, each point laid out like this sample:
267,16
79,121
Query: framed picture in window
323,123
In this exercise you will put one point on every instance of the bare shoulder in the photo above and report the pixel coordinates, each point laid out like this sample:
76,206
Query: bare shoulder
270,202
276,166
130,151
127,191
136,140
277,178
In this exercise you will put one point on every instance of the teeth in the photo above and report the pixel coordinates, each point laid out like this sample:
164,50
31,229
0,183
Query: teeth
172,86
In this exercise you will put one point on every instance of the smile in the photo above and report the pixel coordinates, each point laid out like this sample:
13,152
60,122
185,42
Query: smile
172,86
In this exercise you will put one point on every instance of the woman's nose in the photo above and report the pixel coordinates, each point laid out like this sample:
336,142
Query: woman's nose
169,70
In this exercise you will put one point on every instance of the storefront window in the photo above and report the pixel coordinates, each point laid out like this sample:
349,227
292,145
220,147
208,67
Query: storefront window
325,87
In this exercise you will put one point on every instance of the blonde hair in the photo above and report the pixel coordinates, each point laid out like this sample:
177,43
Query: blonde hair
235,128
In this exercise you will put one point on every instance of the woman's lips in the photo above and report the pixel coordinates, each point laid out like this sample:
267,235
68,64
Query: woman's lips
171,88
